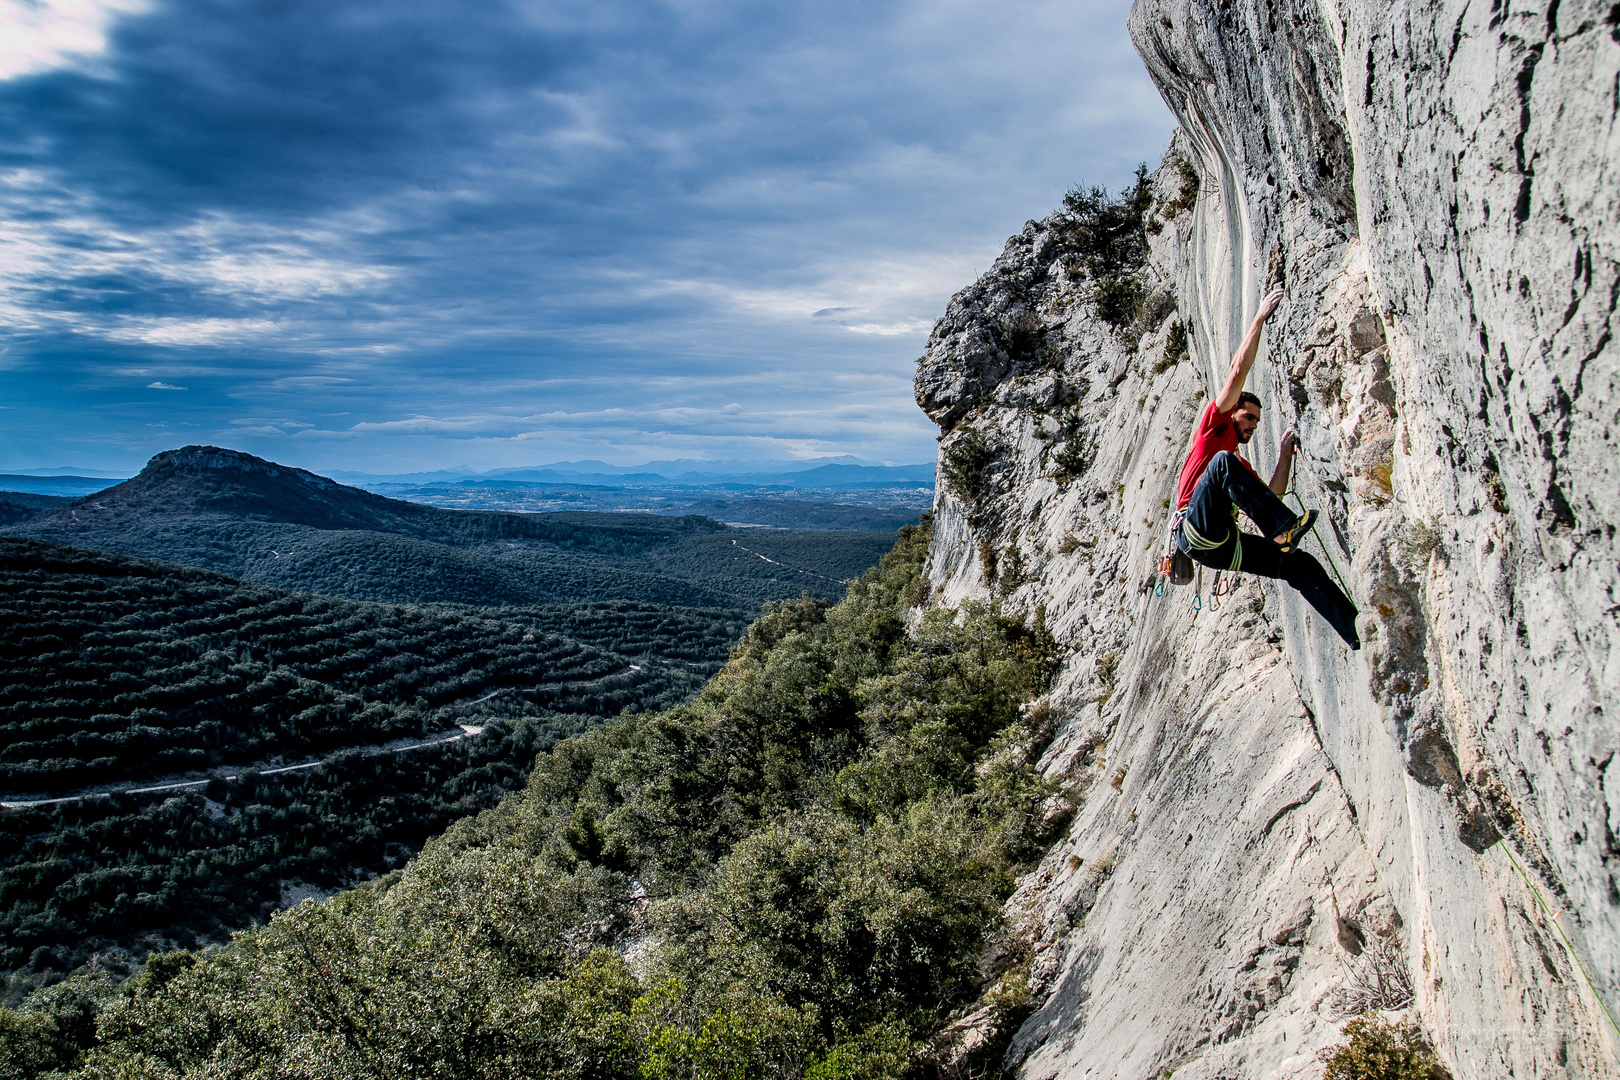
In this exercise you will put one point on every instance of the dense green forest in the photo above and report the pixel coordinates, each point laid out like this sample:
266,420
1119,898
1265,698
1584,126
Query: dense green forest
114,668
131,873
716,567
797,873
697,637
119,671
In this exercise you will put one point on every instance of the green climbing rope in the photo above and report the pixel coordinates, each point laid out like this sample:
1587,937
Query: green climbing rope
1322,544
1552,916
1569,946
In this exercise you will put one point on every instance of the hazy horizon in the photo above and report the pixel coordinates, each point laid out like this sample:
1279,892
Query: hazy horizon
583,466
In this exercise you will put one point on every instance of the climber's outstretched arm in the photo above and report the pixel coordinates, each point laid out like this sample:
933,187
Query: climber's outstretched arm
1285,463
1243,359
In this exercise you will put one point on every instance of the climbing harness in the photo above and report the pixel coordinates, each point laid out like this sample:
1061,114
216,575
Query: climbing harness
1176,567
1198,541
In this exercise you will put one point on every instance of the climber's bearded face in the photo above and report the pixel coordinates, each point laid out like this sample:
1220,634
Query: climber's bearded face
1245,418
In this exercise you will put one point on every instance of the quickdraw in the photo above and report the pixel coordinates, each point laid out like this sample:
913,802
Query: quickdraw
1166,571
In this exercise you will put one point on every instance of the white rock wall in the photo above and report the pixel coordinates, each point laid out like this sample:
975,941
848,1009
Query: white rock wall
1434,184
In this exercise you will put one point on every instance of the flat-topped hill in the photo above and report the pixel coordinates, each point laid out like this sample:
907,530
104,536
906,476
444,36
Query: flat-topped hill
214,482
276,525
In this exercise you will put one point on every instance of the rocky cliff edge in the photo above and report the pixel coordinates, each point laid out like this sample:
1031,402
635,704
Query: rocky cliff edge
1271,833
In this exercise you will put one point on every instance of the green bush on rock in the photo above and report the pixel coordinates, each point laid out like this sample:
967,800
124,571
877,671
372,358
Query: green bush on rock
1375,1049
1105,240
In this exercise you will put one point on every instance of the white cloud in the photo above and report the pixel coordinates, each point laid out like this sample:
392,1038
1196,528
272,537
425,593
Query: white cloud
890,296
179,331
38,35
894,329
163,386
50,241
257,262
418,424
310,382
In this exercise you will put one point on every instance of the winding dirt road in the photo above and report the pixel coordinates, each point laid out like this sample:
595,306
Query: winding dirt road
228,773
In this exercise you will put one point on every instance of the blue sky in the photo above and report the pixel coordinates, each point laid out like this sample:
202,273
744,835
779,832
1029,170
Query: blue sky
409,234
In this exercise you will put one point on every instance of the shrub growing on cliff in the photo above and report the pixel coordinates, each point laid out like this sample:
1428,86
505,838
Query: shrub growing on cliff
1187,193
1175,348
1073,455
966,463
1420,541
1375,1049
1107,240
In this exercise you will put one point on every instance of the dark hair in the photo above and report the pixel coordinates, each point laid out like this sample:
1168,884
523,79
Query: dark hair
1247,398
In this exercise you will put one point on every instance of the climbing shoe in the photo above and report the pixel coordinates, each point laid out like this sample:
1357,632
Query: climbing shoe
1289,538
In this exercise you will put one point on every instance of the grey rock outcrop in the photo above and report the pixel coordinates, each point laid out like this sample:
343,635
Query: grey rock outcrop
1264,823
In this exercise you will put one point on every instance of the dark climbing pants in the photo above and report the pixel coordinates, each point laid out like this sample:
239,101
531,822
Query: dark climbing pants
1227,483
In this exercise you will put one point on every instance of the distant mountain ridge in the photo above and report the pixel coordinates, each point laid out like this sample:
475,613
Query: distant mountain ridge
276,525
817,475
66,484
835,473
215,482
68,471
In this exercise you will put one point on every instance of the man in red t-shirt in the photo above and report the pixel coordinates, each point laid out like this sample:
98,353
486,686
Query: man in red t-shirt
1216,483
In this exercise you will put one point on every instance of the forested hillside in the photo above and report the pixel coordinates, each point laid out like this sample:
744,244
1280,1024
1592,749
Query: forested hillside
114,668
18,506
105,880
803,867
274,525
243,742
122,672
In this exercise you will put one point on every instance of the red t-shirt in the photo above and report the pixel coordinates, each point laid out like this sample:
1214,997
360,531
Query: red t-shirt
1213,434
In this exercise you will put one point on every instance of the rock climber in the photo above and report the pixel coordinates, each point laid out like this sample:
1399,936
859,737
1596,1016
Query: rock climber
1216,483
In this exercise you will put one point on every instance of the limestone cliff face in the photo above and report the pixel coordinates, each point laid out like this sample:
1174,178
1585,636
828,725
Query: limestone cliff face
1263,819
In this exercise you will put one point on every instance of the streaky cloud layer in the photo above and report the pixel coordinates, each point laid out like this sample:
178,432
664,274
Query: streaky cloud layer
381,236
